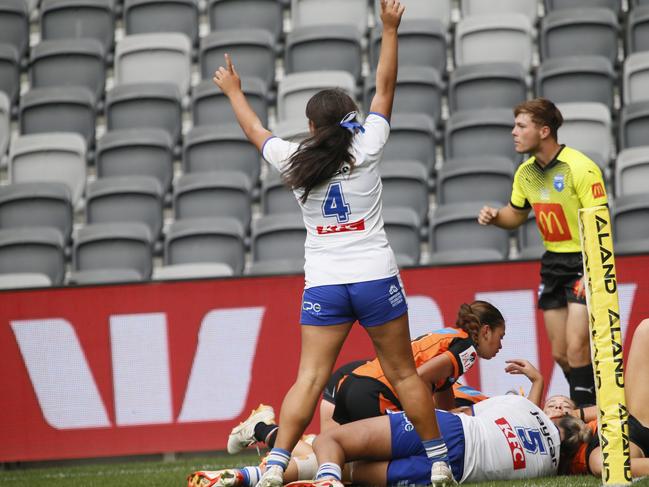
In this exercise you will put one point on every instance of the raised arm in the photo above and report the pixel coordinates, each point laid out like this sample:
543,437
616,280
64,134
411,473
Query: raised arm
386,70
519,366
228,80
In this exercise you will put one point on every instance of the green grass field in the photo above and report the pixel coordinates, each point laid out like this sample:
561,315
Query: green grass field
173,474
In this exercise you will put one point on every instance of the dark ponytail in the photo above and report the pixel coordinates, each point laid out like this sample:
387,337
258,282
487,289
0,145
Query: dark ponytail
472,316
322,155
575,434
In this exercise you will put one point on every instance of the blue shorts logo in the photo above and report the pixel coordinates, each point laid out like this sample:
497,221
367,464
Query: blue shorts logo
313,307
559,182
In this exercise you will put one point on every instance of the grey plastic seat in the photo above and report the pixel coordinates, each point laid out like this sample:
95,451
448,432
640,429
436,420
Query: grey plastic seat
23,280
634,125
405,185
154,58
637,29
37,205
636,78
503,37
631,219
276,197
136,152
5,124
149,16
14,25
201,270
487,85
69,62
632,171
215,194
60,109
480,132
276,267
246,14
324,47
145,105
529,8
487,179
294,130
33,249
220,148
211,107
65,19
418,90
295,90
614,5
126,199
530,241
104,276
402,227
278,236
422,42
587,128
454,229
425,9
412,137
213,240
9,72
113,246
314,13
50,157
580,32
252,51
576,79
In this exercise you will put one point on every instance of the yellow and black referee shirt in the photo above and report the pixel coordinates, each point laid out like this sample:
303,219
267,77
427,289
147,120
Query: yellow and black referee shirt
555,192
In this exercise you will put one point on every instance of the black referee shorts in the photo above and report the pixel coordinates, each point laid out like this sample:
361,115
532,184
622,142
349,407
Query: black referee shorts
561,276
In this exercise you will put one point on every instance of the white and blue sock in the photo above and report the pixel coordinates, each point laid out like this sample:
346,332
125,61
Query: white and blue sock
279,457
251,476
436,449
329,470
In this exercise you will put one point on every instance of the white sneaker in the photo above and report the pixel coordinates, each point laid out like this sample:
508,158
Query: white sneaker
230,477
272,477
441,475
243,435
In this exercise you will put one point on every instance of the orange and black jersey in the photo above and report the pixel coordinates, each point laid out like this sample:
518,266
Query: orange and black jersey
556,192
579,462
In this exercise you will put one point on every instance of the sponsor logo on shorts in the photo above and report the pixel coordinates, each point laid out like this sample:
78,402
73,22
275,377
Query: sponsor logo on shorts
468,357
311,307
407,425
342,227
393,289
518,454
396,297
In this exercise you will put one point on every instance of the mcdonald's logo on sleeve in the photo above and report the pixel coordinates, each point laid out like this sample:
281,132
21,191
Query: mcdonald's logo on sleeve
597,190
552,222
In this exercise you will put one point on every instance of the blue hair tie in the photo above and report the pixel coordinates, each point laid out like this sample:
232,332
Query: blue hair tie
349,122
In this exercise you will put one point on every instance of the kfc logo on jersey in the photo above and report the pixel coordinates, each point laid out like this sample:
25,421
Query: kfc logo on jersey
597,190
518,454
468,357
343,227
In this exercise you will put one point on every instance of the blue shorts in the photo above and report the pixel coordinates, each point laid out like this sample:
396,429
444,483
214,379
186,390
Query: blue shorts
409,464
372,303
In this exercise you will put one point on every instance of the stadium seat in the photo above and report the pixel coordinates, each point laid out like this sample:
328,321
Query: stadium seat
637,29
149,16
587,128
222,148
405,185
199,270
60,109
632,171
145,105
580,32
37,205
503,37
315,13
34,249
275,196
9,72
576,79
631,222
278,236
487,85
211,107
481,132
14,25
246,14
636,78
69,62
23,280
104,276
252,51
324,47
614,5
294,130
422,42
154,58
412,137
295,90
424,9
113,247
136,152
634,125
276,267
65,19
419,90
135,199
529,8
530,243
402,227
215,194
212,240
50,157
486,179
5,124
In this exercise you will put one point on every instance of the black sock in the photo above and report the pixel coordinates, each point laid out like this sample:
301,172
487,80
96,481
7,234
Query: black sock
582,385
266,433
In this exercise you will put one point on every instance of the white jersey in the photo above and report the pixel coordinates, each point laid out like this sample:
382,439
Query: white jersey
345,240
509,438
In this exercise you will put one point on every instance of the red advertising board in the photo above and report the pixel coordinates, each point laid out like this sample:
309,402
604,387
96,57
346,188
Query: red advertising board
173,366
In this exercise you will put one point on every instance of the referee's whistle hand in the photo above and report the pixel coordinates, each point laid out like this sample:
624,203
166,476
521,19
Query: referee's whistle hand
487,215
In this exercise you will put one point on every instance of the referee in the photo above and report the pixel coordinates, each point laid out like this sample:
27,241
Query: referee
556,181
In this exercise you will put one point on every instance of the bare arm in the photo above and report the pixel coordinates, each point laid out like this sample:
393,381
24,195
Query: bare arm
445,400
435,369
386,70
519,366
228,80
506,217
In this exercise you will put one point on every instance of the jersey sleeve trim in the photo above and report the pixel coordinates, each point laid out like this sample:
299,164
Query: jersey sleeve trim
527,205
380,115
263,146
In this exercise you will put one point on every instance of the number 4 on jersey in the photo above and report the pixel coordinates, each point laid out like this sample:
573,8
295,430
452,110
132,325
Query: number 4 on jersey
334,203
